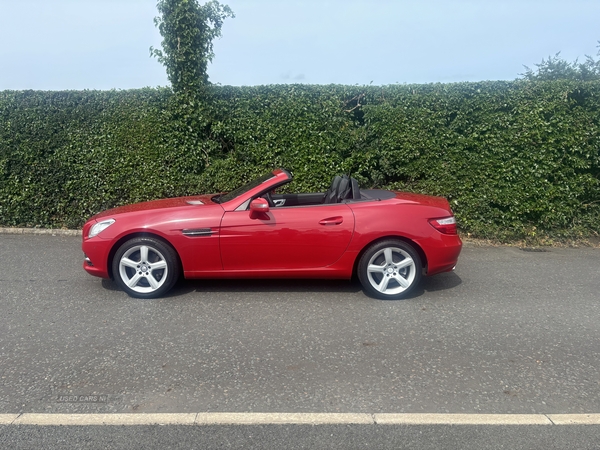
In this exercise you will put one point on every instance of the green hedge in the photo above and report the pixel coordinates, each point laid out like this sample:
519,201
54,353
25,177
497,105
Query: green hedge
516,159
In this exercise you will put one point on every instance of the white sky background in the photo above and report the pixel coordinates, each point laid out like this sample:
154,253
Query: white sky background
104,44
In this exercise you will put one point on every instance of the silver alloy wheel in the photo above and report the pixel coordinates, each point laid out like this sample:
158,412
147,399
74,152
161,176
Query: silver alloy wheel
143,269
391,271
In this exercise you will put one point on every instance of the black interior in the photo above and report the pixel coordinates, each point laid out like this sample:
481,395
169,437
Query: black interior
342,188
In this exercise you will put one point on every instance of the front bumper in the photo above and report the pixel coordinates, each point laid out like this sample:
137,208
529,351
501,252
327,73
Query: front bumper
96,252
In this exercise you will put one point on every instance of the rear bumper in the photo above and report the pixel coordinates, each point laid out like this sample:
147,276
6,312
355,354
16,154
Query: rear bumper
442,253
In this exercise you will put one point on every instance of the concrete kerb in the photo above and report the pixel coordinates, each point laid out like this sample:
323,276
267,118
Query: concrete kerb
215,418
46,231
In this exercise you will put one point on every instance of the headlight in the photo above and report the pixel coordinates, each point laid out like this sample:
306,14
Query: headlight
99,227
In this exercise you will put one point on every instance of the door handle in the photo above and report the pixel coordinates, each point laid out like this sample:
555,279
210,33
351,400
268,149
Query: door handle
332,221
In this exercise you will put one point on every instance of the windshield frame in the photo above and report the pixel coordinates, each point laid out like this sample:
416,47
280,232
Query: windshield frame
223,198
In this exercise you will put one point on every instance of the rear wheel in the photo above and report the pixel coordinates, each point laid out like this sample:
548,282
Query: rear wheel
389,269
145,267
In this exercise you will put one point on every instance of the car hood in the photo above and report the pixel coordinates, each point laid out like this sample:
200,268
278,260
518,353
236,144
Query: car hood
154,205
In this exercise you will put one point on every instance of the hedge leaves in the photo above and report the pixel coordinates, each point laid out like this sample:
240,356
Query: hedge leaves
516,159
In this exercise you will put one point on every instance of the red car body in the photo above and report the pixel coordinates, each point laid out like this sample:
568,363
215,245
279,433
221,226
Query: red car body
309,239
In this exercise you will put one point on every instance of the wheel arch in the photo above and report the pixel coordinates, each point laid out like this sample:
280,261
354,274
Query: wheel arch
412,243
127,237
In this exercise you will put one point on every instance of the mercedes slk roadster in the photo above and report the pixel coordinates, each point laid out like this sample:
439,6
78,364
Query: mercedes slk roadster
388,239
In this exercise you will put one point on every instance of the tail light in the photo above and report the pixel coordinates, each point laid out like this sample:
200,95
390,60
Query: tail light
446,225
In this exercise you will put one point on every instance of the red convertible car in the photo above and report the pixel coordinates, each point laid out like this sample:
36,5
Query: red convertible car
388,239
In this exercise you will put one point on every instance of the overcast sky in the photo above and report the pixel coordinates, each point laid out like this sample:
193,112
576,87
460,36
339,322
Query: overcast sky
104,44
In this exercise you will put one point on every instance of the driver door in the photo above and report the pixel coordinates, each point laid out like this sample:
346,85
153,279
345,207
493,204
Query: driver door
301,237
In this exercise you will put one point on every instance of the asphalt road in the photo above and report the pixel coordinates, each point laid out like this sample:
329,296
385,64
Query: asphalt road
510,331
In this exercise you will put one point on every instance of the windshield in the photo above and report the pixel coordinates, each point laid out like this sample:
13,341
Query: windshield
242,190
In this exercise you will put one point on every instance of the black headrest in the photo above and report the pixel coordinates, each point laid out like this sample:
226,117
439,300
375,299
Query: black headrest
344,189
355,189
332,193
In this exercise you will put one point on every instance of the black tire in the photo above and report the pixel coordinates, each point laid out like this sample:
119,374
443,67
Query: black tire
145,267
389,269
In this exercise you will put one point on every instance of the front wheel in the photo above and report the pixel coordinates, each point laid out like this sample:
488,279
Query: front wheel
145,267
389,269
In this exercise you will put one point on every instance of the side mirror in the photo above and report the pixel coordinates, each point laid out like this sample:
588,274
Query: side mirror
259,206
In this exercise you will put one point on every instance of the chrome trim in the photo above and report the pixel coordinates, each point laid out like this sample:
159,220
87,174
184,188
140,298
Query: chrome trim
198,232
